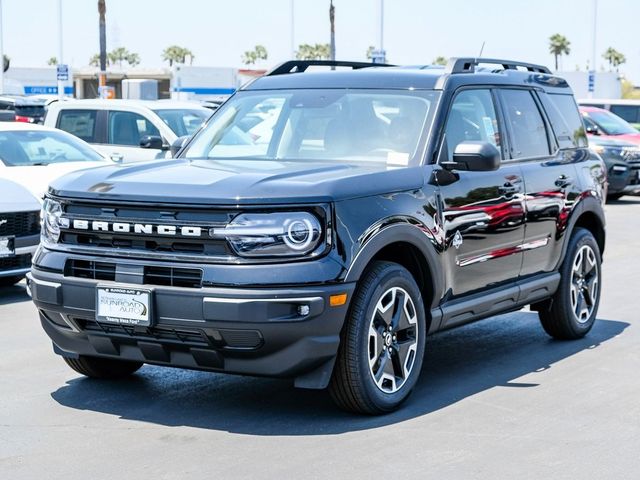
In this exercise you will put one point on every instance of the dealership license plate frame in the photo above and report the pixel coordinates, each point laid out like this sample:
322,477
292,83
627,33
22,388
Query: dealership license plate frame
7,246
124,292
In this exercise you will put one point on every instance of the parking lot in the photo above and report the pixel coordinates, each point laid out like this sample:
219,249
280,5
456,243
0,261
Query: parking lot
496,399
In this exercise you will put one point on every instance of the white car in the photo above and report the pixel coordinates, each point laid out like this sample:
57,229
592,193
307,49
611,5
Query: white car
33,156
19,231
131,129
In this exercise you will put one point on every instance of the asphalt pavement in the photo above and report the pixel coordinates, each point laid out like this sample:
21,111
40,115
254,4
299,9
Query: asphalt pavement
496,399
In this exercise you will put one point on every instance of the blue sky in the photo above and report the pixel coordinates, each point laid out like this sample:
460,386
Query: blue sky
416,31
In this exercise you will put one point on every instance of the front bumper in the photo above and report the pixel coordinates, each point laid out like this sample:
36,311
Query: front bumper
19,264
252,331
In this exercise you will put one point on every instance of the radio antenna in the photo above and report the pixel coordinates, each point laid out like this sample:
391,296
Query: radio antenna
481,49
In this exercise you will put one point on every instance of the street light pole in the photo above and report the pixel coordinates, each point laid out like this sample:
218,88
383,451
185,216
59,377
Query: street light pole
293,30
592,70
1,54
60,49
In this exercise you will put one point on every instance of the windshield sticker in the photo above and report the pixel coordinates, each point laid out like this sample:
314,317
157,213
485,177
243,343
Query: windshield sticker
489,130
398,158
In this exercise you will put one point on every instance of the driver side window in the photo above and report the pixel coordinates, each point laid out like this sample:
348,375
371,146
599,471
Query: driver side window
472,118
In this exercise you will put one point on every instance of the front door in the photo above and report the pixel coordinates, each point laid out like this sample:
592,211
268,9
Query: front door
482,213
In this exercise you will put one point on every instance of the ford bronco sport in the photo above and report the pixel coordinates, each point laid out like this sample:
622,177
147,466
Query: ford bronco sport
323,223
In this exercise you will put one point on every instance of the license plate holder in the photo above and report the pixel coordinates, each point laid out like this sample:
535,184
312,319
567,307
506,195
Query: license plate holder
123,305
7,247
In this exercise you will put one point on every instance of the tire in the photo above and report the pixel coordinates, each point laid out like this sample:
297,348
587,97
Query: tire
380,354
572,310
96,367
612,197
9,281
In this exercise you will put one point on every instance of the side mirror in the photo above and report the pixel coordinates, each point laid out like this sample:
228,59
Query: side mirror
592,130
177,145
152,141
474,157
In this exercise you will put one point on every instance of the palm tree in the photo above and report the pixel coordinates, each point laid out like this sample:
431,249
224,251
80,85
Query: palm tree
440,60
176,54
558,46
332,21
250,57
614,58
52,61
102,11
319,51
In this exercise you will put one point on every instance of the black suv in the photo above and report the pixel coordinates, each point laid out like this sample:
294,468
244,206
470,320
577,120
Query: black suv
323,223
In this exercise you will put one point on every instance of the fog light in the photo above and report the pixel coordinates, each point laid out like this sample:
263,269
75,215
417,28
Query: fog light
303,310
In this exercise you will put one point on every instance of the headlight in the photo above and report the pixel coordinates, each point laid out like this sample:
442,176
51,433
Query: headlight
51,221
272,234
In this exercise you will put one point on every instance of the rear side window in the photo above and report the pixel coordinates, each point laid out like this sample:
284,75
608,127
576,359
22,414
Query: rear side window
81,123
565,120
528,131
630,113
127,128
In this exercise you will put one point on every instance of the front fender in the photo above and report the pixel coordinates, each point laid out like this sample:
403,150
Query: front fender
400,231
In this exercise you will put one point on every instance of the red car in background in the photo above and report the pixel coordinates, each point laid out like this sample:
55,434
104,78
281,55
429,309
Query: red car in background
616,141
603,123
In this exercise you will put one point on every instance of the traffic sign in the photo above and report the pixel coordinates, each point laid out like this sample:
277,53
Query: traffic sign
592,81
63,73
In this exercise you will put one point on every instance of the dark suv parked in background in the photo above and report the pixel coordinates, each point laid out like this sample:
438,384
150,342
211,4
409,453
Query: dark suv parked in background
322,224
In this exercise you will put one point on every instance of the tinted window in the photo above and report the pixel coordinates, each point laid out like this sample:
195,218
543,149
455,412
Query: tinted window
528,132
472,118
183,122
126,128
33,147
302,125
81,123
630,113
609,123
565,120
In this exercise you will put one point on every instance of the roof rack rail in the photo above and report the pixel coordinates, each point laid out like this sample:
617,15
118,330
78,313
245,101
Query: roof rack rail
468,65
297,66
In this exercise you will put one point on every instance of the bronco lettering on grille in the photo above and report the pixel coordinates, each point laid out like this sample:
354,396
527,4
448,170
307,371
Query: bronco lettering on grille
137,228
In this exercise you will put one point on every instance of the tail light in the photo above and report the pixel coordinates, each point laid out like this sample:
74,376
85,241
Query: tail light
20,118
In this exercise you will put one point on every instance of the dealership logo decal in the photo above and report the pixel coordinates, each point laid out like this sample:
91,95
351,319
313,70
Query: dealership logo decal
457,239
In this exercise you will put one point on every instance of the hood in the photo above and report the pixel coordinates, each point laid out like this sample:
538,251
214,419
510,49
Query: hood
16,198
37,178
237,181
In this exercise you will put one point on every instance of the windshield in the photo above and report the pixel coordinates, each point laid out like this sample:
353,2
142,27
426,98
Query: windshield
183,121
335,125
21,148
611,124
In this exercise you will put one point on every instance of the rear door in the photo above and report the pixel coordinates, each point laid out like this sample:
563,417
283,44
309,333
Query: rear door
482,212
545,145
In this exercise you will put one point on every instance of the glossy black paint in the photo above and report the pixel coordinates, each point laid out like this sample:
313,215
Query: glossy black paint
462,233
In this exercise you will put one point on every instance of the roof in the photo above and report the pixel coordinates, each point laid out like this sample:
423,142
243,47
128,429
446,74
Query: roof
151,104
23,126
609,101
424,77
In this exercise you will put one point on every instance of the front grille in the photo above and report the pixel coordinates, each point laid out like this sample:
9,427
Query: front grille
152,275
90,269
173,277
177,335
148,242
15,262
20,224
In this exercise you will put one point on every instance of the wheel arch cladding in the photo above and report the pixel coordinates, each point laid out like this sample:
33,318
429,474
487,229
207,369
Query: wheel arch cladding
410,247
590,221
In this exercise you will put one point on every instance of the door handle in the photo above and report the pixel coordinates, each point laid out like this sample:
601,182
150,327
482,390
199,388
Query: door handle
563,181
